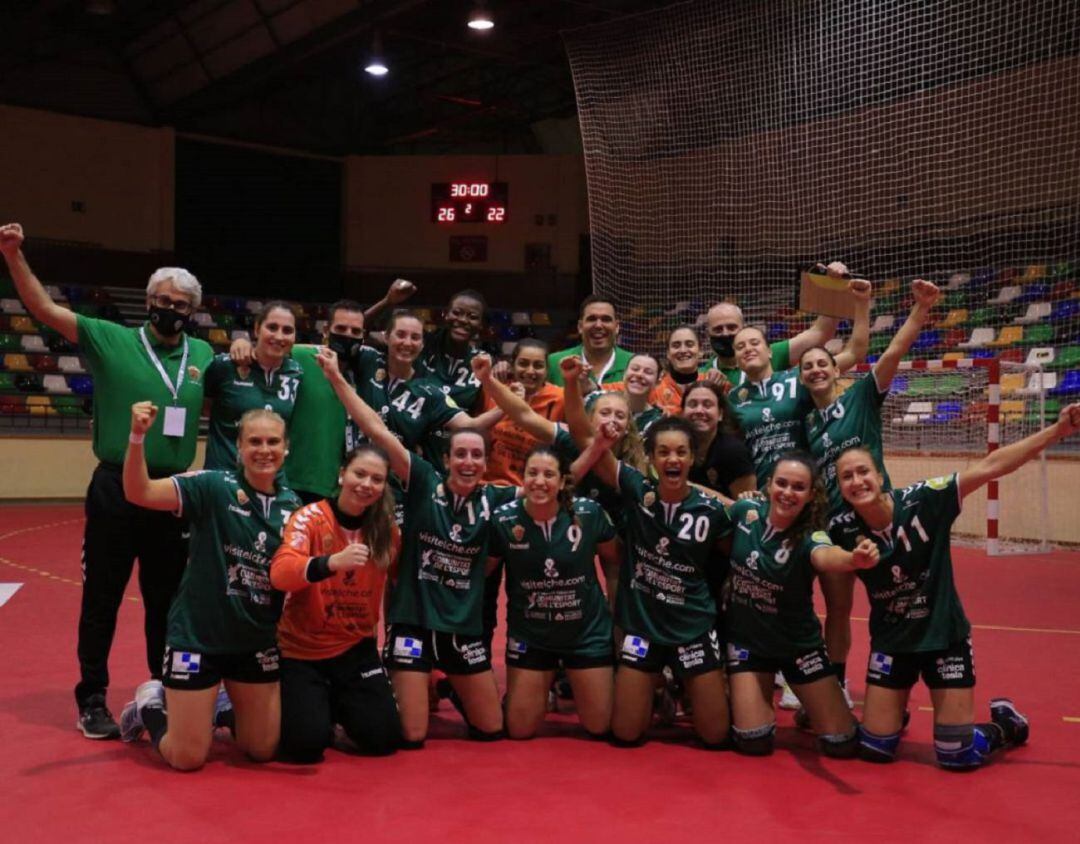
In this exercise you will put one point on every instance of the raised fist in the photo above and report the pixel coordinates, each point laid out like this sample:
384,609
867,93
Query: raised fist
352,557
481,367
865,555
860,288
926,293
11,239
143,414
399,290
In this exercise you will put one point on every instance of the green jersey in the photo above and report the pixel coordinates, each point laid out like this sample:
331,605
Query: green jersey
771,414
440,582
663,592
781,359
413,410
914,606
853,419
225,603
770,610
124,363
554,600
235,390
454,376
316,430
614,371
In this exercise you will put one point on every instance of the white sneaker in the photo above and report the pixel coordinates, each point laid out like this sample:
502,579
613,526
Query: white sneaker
150,693
847,698
788,700
224,717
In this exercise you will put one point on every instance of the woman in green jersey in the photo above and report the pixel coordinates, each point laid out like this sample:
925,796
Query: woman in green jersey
664,608
844,418
271,380
917,623
778,546
435,608
223,621
556,611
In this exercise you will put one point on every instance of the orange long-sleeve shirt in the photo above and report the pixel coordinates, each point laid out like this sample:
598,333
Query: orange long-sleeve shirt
510,444
324,619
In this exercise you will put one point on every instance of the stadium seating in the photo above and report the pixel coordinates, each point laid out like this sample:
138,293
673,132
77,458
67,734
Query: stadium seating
1069,384
1035,312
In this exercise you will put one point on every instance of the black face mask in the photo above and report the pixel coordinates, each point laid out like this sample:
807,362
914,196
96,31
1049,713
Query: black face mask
345,346
166,321
724,347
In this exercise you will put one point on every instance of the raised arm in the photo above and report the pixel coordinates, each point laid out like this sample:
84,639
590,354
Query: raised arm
859,342
598,458
139,489
832,558
515,407
481,422
363,415
573,368
926,295
399,291
1012,457
30,289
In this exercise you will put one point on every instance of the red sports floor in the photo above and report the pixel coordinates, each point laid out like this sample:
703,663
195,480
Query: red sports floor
57,786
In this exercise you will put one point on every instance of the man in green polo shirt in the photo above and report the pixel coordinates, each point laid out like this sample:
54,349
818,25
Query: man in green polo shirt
599,329
155,362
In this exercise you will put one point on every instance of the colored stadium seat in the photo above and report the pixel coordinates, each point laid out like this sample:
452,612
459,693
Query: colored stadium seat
70,364
7,381
22,324
958,280
1067,358
1012,382
1009,334
17,363
954,318
926,341
1039,382
82,385
203,320
10,343
1035,312
1037,334
520,318
253,306
26,383
1069,385
1005,295
34,343
947,411
13,405
1013,409
1042,355
953,356
1034,273
883,322
979,337
1065,310
44,363
218,337
12,306
56,384
541,318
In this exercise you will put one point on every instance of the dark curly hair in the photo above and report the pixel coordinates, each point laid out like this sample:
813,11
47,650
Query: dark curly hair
814,515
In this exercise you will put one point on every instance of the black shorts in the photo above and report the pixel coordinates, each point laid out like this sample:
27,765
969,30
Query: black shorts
412,648
698,656
807,667
520,654
952,668
193,671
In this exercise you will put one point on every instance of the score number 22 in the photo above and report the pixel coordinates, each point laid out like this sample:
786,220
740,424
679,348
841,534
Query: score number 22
448,214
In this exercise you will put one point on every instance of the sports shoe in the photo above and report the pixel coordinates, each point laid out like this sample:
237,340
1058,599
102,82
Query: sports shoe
148,694
788,698
95,720
1015,726
847,698
224,717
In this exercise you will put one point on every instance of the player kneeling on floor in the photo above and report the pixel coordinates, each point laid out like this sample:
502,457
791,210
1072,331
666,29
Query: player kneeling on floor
917,623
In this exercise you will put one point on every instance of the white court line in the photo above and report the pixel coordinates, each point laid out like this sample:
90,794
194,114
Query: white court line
7,590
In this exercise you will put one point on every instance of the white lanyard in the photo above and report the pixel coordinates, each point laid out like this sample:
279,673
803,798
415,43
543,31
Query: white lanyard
599,379
174,391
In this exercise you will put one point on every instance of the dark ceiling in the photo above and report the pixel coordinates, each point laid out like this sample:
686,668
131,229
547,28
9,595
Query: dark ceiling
289,72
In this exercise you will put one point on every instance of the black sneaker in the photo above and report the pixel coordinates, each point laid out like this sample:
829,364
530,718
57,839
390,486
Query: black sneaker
1014,725
96,721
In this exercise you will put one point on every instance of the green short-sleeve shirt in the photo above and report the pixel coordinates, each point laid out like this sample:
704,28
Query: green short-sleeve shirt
225,603
770,611
914,605
316,430
772,416
781,359
614,373
234,390
444,552
124,373
554,599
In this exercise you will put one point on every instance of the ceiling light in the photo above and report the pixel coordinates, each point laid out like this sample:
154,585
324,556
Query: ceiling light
481,19
376,68
376,65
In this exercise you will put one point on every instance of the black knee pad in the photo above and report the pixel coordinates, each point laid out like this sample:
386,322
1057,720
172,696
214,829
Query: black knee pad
408,744
621,742
480,735
875,748
839,745
723,744
756,741
961,747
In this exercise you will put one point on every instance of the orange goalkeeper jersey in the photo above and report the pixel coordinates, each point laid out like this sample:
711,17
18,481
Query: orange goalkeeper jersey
324,619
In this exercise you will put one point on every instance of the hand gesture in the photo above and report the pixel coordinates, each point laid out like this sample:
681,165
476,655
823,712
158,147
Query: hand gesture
865,555
241,351
572,367
1069,419
143,414
715,376
501,372
926,293
481,367
838,269
517,388
608,434
328,363
860,289
352,557
750,495
11,239
399,290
